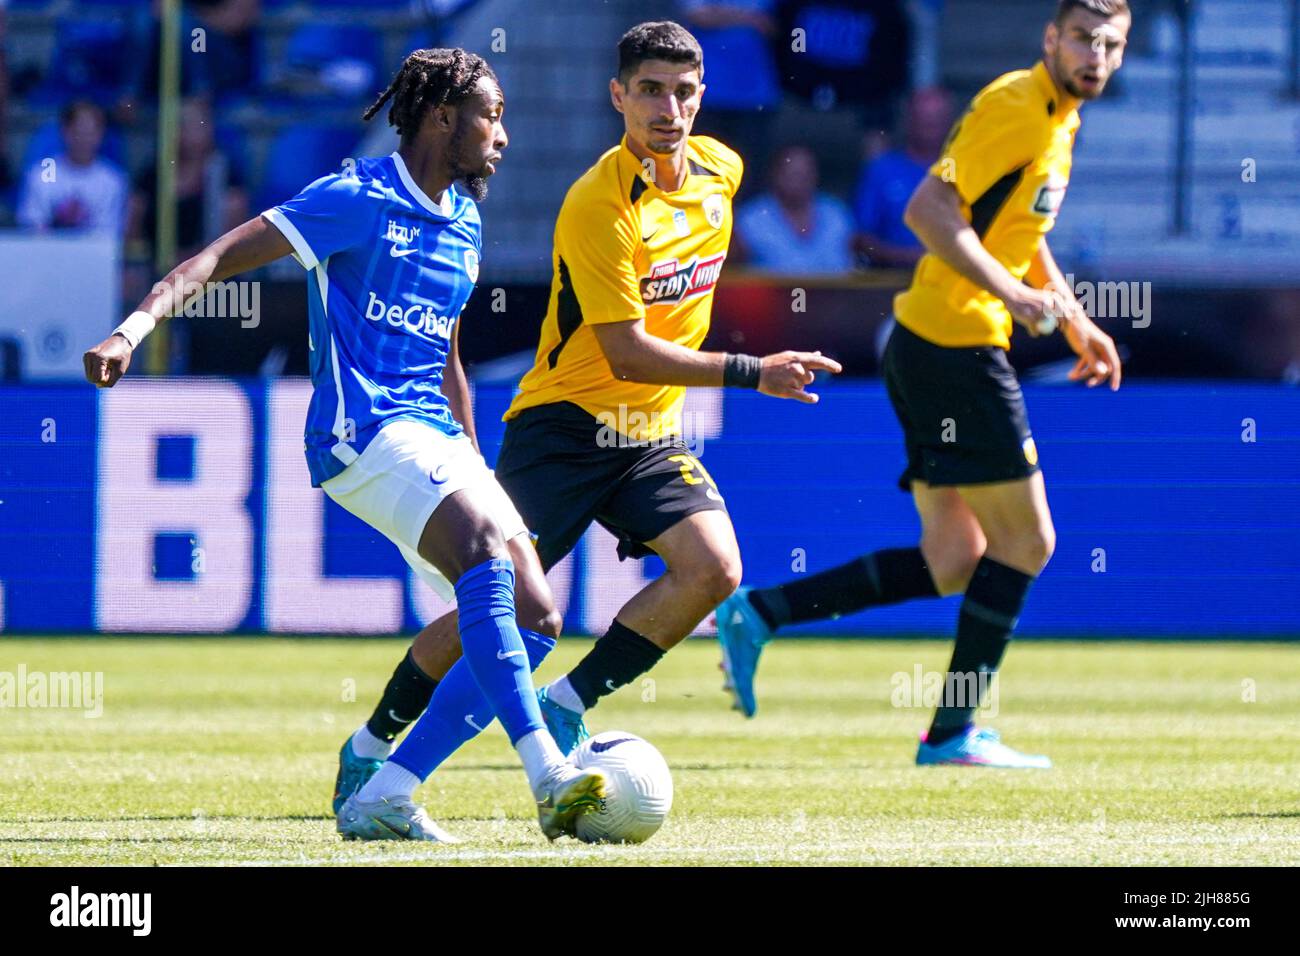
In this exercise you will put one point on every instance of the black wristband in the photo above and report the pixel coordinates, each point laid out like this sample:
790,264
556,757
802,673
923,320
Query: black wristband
742,371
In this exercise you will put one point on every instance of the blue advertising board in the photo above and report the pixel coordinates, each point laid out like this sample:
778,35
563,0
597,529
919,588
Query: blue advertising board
183,505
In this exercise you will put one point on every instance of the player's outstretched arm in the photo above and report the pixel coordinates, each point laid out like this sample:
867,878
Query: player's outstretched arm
634,355
1098,358
253,244
934,214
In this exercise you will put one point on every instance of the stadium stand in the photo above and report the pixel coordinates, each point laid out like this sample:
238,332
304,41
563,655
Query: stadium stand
294,112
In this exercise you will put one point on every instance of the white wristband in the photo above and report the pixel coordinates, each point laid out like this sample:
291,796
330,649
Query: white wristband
136,327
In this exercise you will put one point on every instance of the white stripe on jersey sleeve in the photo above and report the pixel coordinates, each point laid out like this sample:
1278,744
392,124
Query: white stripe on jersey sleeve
301,250
342,450
323,284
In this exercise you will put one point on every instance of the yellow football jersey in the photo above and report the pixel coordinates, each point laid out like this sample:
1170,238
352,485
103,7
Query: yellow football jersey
627,250
1009,157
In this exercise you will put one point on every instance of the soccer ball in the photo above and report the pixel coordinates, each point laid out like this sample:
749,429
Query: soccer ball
638,788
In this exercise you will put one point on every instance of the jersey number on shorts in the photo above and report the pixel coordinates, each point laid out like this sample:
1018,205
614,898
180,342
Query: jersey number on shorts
688,464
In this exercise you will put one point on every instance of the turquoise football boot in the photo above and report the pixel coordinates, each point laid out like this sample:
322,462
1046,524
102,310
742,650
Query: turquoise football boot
742,634
353,773
977,747
565,725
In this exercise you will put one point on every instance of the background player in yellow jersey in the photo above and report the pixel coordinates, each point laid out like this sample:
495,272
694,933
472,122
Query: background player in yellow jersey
595,432
983,214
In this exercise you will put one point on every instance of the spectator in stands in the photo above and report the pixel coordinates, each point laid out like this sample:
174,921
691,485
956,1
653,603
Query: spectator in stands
219,53
210,194
843,65
78,189
888,182
794,228
740,72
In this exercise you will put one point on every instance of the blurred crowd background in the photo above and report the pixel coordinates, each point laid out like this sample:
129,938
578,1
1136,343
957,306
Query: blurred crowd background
1184,194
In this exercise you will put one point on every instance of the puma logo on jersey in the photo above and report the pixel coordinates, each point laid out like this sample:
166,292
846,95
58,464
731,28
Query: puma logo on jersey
670,282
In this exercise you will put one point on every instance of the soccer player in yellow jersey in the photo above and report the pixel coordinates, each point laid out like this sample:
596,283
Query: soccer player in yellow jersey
639,246
983,214
595,433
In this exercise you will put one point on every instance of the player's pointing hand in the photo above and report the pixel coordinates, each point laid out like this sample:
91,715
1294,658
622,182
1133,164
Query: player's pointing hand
785,374
107,361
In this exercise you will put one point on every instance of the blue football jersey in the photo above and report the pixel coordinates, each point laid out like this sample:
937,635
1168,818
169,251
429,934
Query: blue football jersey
390,273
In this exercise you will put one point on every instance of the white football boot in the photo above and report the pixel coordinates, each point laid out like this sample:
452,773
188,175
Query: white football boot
389,818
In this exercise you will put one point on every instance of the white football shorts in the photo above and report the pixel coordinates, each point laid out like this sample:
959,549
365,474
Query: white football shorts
404,474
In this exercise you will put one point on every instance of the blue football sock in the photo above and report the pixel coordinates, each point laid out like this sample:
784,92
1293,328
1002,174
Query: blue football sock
457,713
491,646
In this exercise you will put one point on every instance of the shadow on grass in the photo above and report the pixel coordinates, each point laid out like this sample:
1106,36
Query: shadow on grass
117,839
187,818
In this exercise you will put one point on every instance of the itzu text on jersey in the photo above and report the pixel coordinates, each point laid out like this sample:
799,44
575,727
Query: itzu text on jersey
391,271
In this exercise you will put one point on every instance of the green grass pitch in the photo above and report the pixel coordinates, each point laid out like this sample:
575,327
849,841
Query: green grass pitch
223,752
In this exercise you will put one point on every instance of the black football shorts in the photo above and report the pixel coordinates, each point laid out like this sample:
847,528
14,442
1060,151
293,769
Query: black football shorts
962,411
562,473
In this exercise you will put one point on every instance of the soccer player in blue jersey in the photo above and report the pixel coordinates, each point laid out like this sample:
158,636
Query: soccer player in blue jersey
392,245
629,308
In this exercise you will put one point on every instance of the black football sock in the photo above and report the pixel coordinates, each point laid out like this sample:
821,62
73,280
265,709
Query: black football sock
884,577
404,700
994,599
618,658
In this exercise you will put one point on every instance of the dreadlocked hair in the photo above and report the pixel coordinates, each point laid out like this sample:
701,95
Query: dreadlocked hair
429,79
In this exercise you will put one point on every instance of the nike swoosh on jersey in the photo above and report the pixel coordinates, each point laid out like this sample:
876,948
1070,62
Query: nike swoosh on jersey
507,655
653,232
398,253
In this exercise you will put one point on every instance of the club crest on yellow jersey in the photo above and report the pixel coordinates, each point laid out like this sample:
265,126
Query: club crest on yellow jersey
714,210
